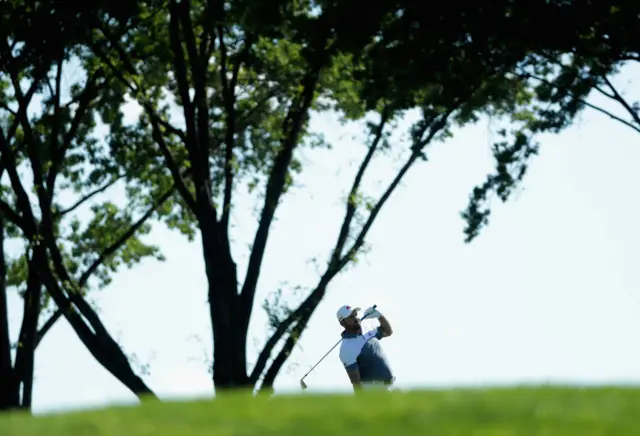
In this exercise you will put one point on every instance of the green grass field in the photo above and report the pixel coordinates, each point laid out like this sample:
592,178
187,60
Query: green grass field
465,412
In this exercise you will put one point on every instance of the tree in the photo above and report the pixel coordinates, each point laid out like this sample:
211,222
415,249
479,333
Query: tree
48,134
246,77
557,84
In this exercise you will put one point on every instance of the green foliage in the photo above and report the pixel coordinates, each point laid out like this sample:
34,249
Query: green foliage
225,91
102,231
85,168
278,306
65,25
551,93
268,76
61,142
553,84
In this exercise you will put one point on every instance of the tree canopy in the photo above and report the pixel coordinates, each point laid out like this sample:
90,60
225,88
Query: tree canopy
226,91
245,88
558,81
57,233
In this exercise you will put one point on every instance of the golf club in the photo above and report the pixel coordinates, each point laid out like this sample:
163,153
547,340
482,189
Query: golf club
302,383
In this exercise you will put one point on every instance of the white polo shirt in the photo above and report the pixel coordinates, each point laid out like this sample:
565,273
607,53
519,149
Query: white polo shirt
364,353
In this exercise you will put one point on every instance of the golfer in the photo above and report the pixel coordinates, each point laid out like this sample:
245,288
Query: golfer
361,354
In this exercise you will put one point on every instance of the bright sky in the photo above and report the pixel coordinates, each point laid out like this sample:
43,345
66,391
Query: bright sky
548,293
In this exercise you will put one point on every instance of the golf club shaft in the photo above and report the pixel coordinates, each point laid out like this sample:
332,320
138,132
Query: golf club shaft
321,359
328,352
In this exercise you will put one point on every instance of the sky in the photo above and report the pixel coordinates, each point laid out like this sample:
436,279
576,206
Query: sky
549,293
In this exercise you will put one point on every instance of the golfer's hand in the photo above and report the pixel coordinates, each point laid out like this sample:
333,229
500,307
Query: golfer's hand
372,313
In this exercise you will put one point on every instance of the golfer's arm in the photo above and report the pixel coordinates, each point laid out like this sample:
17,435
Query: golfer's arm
385,327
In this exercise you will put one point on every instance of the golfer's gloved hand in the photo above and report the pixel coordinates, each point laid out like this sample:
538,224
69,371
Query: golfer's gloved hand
372,312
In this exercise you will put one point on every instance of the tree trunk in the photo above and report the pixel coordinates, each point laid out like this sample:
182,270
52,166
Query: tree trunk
229,356
227,319
9,394
25,357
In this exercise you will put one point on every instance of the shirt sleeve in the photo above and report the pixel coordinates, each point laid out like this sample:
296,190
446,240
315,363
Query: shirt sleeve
349,356
375,333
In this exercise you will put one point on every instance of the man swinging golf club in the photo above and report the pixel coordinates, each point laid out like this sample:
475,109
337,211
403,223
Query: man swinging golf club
361,353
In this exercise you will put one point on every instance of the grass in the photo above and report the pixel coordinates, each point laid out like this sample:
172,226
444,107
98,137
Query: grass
464,412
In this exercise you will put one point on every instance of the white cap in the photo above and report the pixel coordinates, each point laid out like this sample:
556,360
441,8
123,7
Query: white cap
346,312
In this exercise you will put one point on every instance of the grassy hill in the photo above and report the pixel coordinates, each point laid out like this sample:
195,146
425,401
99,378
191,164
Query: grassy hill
492,412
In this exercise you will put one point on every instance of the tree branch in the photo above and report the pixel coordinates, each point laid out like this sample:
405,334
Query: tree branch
180,68
99,343
13,128
620,99
52,92
26,221
7,108
315,296
47,326
224,79
189,140
351,199
603,92
281,358
198,74
612,116
190,40
157,121
13,216
24,362
167,126
24,100
181,185
109,251
245,118
89,93
117,72
32,306
229,96
303,313
587,104
44,198
276,182
6,211
9,395
88,196
55,129
107,352
433,129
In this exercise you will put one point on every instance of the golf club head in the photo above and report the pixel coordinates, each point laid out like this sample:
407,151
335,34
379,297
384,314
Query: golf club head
303,385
